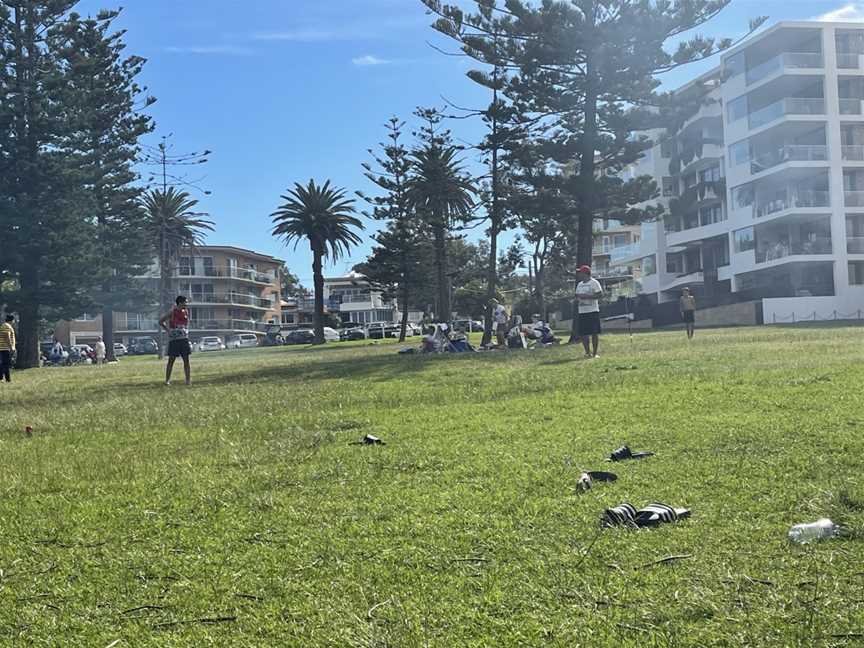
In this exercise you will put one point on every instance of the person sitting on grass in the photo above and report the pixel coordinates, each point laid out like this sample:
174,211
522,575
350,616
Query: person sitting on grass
588,293
176,324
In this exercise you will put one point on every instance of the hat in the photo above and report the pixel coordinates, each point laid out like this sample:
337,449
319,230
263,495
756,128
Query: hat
584,268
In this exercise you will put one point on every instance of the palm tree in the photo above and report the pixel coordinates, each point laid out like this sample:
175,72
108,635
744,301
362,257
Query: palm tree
322,215
172,226
441,193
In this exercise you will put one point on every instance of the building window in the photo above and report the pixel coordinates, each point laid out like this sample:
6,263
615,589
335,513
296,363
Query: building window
667,148
711,174
85,317
745,239
649,265
209,270
742,196
734,65
856,273
185,268
710,215
736,109
668,187
739,152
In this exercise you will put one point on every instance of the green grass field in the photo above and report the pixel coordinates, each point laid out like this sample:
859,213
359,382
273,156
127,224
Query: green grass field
235,512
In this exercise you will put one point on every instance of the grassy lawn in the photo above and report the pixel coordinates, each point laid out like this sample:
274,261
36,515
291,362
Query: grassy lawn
236,513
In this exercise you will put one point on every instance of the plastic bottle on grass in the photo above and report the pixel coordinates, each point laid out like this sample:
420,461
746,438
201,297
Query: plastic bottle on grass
818,530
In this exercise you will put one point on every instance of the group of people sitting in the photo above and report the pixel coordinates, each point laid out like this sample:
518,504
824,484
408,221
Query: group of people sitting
441,337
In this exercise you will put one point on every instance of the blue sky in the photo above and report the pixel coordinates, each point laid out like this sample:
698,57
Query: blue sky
286,90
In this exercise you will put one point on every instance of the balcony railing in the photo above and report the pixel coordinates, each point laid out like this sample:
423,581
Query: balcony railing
226,325
852,153
232,298
850,106
143,324
802,198
855,244
780,250
853,198
789,153
784,60
225,272
848,60
787,106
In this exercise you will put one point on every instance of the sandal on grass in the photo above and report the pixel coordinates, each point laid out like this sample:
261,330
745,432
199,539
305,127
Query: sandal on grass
586,479
624,452
652,515
369,440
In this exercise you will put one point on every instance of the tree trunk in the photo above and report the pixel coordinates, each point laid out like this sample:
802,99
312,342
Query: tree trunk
28,325
540,288
164,300
108,332
494,229
404,327
318,280
441,271
585,225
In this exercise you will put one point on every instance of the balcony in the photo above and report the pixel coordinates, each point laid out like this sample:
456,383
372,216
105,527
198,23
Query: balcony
233,299
141,324
852,153
227,325
225,272
853,198
804,198
789,153
794,60
787,106
848,61
850,106
855,244
780,250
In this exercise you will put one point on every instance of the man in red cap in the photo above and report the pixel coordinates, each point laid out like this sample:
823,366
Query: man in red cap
588,293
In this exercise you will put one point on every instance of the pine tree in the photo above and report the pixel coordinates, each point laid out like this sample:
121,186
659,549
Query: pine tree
48,236
393,264
107,119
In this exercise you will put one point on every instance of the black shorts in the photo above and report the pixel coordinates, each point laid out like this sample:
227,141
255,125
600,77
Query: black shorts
179,348
589,324
688,316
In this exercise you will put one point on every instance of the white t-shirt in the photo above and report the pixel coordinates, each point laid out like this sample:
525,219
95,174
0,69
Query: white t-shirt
500,314
589,287
100,349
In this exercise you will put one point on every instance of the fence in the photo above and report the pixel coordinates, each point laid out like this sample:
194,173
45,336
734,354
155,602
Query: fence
835,316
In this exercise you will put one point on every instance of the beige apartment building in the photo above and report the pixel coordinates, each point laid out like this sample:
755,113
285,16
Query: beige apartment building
230,290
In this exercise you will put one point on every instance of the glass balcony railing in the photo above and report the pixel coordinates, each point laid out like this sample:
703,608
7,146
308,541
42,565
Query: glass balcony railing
787,106
779,249
231,298
225,272
855,244
853,198
784,60
848,61
802,198
789,153
850,106
852,153
141,324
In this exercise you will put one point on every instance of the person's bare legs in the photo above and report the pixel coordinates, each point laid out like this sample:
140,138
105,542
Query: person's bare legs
168,369
586,341
595,342
187,370
691,330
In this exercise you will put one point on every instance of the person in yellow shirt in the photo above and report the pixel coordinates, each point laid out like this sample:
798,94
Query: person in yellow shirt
7,346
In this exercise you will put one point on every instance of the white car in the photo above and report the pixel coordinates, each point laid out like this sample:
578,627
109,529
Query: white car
331,334
120,350
211,344
242,341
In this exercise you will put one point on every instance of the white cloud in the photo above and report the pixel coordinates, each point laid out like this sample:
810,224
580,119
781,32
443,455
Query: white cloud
368,59
850,12
212,50
299,36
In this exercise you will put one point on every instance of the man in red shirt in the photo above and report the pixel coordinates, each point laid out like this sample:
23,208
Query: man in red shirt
176,324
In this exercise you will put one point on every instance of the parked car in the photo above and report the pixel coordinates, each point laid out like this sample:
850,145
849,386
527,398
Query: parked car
300,336
242,341
143,346
377,330
331,334
353,333
211,343
120,350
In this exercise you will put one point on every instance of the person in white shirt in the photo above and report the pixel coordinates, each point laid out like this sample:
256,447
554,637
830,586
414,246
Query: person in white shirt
499,316
588,293
100,351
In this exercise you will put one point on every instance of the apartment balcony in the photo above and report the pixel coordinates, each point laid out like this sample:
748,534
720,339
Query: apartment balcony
232,299
696,278
224,272
800,199
855,244
851,106
227,325
789,153
782,62
786,106
132,325
780,250
848,61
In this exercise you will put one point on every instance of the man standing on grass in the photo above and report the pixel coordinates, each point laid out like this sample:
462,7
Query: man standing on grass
588,293
499,315
688,311
176,323
100,351
7,347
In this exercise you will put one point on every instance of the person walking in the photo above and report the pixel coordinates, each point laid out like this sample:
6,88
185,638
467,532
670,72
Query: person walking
588,293
176,324
7,348
499,316
687,304
100,351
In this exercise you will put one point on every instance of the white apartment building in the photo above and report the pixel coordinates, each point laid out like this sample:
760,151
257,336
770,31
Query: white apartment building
766,185
353,299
